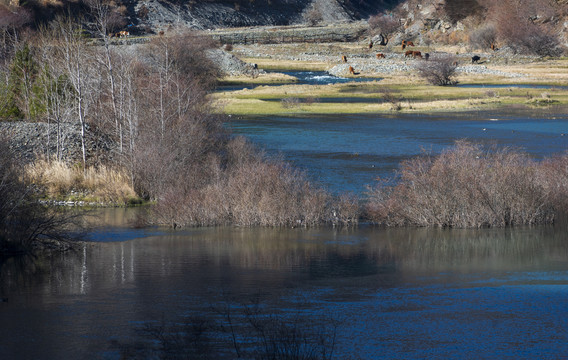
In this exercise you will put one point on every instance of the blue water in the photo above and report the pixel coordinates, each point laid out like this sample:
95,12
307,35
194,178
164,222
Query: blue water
347,152
395,293
303,78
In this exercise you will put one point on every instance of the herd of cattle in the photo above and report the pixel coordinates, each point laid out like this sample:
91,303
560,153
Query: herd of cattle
409,53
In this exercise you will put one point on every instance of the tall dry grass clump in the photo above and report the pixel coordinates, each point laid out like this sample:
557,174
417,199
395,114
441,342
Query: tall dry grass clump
101,184
471,186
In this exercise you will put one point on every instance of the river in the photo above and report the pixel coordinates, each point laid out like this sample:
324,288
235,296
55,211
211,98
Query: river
348,152
365,293
392,293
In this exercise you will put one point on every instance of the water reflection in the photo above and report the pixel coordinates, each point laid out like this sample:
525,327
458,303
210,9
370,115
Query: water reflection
397,287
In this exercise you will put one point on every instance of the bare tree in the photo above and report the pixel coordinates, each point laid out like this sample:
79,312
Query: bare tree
73,56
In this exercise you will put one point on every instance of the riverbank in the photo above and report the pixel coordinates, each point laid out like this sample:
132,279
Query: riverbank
500,79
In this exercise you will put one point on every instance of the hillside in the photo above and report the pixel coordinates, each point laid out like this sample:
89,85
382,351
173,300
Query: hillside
526,26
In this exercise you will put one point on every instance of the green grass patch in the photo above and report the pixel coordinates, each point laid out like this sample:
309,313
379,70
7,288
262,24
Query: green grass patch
271,100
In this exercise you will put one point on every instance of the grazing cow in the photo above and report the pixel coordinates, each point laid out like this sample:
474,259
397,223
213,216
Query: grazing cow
351,70
344,58
494,47
409,43
417,54
161,33
380,56
408,53
475,59
426,56
122,33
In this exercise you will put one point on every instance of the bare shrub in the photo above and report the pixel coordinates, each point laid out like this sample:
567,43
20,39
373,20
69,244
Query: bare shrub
483,37
553,175
466,186
290,102
24,223
392,98
384,24
439,70
523,25
314,15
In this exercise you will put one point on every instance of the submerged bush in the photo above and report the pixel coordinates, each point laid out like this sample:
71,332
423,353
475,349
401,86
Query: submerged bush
470,186
249,189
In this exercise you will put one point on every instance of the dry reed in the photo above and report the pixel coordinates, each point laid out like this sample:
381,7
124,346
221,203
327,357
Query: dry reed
61,180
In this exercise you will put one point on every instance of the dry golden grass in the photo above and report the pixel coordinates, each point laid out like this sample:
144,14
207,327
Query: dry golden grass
62,181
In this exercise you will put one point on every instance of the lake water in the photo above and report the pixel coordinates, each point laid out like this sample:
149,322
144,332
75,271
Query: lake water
393,293
348,152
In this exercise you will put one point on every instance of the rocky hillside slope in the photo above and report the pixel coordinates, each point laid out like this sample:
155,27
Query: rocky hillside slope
209,14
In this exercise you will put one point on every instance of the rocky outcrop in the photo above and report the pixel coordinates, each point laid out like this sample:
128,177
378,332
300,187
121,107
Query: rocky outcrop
159,15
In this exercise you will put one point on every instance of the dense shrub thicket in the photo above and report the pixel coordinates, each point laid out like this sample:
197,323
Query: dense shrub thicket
152,101
471,186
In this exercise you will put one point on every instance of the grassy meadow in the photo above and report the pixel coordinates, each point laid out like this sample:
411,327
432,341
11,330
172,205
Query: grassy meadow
395,91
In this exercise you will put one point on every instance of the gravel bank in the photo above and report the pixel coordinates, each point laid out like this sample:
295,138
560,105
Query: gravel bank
30,140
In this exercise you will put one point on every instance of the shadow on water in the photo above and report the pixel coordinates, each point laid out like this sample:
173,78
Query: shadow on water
453,290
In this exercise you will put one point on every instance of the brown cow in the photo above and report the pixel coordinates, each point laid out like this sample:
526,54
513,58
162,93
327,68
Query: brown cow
371,44
344,58
351,70
408,53
380,56
417,54
122,33
406,43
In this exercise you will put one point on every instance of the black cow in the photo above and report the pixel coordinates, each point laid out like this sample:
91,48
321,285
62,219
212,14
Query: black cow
475,59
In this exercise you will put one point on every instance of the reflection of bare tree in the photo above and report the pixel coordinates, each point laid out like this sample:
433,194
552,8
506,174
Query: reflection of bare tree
248,330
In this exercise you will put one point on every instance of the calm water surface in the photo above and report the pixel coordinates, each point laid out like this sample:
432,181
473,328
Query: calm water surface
399,293
348,152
